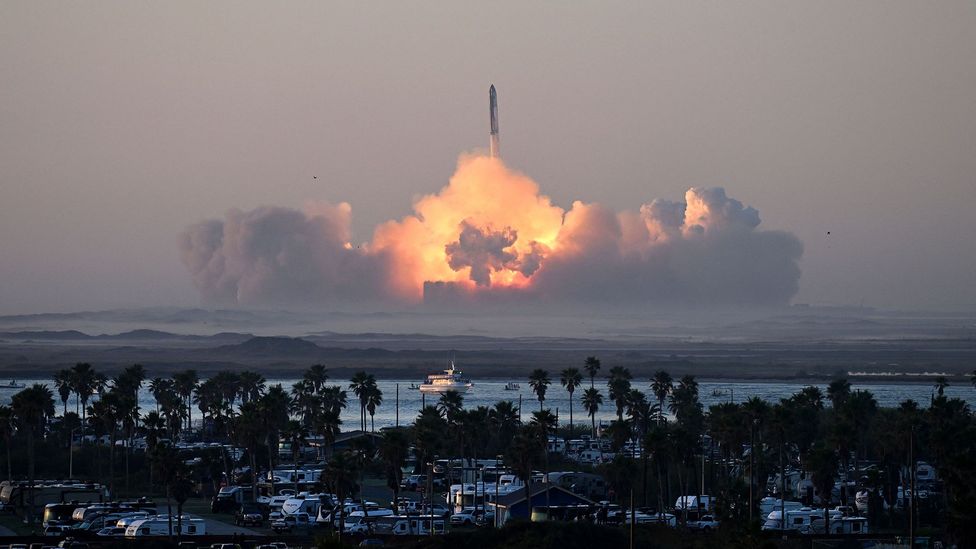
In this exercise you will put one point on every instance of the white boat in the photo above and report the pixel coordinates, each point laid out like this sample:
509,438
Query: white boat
512,386
450,380
12,385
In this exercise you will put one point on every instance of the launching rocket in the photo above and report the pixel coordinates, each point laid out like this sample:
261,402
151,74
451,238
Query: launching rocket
493,114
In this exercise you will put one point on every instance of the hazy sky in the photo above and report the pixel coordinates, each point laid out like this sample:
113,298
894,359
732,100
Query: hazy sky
122,122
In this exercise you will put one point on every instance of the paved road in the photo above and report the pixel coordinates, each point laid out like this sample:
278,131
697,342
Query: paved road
220,528
4,531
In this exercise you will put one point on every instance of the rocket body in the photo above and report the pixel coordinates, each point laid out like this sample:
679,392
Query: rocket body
493,116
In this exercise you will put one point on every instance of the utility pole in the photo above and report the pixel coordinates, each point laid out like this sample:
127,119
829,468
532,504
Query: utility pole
752,466
911,504
633,518
397,404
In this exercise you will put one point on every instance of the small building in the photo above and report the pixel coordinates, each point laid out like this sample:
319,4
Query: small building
350,439
517,505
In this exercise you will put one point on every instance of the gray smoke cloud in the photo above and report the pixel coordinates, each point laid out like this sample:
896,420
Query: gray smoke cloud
481,250
281,255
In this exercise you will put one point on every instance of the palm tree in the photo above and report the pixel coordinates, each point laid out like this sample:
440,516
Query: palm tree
661,385
838,391
304,400
333,398
450,405
503,418
156,387
107,412
394,449
251,385
273,411
7,429
539,381
618,388
592,366
592,399
325,422
63,383
340,478
86,382
296,434
185,383
940,385
316,376
361,384
246,430
571,379
31,408
373,399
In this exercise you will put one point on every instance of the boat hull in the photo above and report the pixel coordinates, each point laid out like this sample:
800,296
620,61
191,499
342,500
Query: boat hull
459,388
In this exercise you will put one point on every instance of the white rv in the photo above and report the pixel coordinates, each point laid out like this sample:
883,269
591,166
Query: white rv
414,525
160,527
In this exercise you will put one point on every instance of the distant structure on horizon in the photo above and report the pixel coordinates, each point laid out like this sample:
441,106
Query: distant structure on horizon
493,114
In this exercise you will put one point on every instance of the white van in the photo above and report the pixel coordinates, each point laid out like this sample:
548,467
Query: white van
415,525
160,527
359,522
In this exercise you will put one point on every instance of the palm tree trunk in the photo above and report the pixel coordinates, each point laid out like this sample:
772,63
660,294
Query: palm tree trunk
570,412
111,463
254,473
30,476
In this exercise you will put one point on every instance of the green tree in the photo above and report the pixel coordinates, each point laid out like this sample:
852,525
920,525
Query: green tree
340,478
394,449
838,391
571,379
618,387
661,386
31,408
63,383
592,399
185,383
7,429
592,367
539,381
362,384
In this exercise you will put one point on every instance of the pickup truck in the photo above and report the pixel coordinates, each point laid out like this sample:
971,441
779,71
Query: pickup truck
706,523
290,522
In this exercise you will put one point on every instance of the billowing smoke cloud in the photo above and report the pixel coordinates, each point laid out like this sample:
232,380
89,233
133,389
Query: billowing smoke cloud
491,236
281,255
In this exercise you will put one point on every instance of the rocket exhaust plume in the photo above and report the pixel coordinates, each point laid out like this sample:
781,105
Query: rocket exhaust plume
491,236
494,151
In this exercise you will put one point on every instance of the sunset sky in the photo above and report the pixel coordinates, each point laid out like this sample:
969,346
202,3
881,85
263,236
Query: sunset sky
122,124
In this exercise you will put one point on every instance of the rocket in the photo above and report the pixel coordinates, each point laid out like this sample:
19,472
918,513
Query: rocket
493,115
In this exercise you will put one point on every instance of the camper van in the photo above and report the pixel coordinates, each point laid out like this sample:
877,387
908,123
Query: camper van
16,493
414,525
769,504
160,527
359,522
803,521
303,503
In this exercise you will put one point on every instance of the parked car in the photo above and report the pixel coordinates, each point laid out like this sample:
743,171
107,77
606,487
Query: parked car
248,515
468,517
706,523
56,530
290,522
